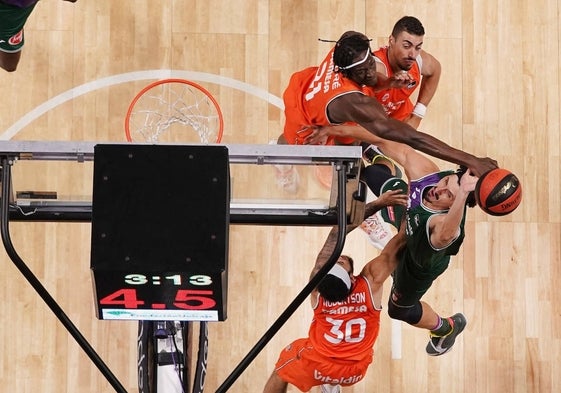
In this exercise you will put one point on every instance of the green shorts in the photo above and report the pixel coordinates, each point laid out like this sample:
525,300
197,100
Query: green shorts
12,20
411,281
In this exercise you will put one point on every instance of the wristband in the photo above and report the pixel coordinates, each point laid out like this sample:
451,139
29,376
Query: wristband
420,110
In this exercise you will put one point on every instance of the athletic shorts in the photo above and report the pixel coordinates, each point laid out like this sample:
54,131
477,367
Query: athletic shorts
411,282
300,365
12,20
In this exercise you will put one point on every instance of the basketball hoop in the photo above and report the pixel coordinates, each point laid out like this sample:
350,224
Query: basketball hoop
174,111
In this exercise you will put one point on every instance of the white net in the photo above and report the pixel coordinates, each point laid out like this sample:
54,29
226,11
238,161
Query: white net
174,111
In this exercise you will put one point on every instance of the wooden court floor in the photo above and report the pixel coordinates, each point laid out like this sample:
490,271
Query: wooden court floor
499,96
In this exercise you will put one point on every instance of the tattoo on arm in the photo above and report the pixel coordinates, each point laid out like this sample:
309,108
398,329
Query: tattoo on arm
331,241
371,208
326,250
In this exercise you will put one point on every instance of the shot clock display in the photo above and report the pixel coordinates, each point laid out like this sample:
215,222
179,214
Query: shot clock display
160,220
168,296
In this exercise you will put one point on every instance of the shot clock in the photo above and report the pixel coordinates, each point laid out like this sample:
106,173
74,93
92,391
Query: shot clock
160,219
168,296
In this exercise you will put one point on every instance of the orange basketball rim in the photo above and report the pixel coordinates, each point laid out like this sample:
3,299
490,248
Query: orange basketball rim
174,111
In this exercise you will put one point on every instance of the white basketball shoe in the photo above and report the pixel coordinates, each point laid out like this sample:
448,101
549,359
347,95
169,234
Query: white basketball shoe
378,231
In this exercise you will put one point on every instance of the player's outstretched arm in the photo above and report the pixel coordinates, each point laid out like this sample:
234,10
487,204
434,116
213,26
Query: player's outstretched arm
389,198
445,228
379,269
415,164
367,112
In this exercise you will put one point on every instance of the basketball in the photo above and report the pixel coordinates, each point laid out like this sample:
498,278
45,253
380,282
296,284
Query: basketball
498,192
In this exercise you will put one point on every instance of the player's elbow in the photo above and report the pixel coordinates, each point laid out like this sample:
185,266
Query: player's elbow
444,239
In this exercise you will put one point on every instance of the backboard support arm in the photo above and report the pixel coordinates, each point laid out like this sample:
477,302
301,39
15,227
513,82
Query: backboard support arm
346,161
6,164
299,299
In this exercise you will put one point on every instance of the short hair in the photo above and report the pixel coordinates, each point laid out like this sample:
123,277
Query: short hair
348,47
470,201
409,24
332,288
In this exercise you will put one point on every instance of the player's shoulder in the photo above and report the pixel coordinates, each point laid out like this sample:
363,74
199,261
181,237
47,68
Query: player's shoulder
428,63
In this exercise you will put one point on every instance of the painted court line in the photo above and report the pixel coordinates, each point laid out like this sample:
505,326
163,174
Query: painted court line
136,76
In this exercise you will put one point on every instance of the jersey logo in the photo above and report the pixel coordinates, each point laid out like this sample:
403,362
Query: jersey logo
17,38
414,193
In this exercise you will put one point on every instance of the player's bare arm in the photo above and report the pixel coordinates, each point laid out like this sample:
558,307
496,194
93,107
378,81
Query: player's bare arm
379,268
388,198
396,81
416,165
369,114
429,83
445,228
431,76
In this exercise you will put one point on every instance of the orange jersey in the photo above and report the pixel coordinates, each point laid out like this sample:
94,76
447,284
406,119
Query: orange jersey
307,96
396,102
346,329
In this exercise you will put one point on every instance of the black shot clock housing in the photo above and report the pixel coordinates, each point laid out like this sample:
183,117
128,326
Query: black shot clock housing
159,242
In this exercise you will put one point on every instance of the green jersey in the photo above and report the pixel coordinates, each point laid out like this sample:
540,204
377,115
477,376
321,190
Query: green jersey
420,263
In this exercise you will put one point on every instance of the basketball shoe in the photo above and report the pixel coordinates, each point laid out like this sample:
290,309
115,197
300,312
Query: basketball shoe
378,231
372,155
369,152
439,345
327,388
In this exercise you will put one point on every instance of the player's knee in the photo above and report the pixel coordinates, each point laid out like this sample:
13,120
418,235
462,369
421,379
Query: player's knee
375,176
410,314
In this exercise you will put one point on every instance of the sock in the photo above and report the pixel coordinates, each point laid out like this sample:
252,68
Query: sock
375,176
394,214
442,328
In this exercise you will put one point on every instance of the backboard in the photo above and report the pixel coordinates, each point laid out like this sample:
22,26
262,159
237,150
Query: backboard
64,182
160,213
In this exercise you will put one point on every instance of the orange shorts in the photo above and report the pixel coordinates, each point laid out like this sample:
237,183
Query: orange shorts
300,365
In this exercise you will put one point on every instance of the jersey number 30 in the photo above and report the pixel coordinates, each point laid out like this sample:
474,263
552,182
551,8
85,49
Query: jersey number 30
351,331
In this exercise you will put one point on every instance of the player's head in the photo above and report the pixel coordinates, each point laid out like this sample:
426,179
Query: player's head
443,194
336,285
408,24
353,58
406,42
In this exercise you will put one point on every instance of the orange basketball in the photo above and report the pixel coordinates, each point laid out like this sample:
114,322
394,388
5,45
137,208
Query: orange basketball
498,192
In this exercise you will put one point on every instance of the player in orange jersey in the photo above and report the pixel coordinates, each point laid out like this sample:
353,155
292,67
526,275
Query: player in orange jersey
339,346
404,54
332,95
